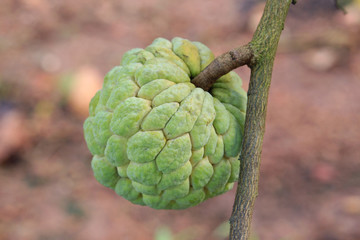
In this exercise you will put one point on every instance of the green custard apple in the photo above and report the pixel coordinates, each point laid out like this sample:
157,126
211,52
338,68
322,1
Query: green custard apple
158,140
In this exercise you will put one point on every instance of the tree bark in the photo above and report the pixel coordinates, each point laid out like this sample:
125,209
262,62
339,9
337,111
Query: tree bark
264,45
259,55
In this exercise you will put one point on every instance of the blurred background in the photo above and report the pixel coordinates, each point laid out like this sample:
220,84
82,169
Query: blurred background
53,56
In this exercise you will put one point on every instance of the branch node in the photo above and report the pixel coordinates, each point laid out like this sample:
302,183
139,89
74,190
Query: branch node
232,55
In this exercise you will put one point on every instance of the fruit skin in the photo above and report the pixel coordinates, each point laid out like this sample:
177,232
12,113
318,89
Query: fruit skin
159,141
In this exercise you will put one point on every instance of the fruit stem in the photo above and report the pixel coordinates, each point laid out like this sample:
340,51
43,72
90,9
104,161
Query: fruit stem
222,65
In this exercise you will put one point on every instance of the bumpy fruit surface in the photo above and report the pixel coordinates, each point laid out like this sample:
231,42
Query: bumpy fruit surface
159,141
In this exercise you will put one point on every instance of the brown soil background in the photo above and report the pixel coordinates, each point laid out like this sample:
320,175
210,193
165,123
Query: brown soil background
53,56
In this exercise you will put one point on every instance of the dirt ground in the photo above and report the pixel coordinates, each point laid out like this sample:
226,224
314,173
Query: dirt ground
53,56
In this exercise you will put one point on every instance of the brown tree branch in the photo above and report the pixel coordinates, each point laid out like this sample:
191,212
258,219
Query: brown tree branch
222,65
264,44
259,55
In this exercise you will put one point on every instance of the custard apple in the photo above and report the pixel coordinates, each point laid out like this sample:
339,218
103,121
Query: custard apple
158,140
